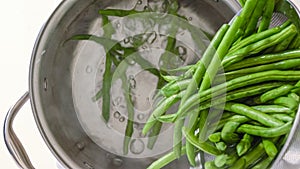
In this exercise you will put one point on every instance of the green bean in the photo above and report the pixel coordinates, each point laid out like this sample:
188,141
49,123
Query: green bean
254,18
282,65
256,115
297,84
104,41
231,96
275,93
166,159
204,62
283,117
199,72
205,146
249,158
287,102
247,11
235,118
295,44
242,2
267,16
130,110
206,129
180,69
265,132
294,96
220,160
270,148
236,83
228,134
220,53
106,88
98,95
118,12
169,78
190,148
255,37
227,114
221,146
107,76
283,45
270,109
175,87
264,164
202,123
238,37
259,46
168,118
244,145
296,91
232,158
160,109
264,59
154,135
211,165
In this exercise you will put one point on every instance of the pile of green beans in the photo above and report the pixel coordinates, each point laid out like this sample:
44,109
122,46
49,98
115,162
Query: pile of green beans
253,78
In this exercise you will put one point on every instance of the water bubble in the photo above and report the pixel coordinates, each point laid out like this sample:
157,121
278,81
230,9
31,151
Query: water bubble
122,119
80,145
88,69
181,50
190,18
117,115
117,162
132,82
118,25
130,60
139,2
43,52
45,84
126,40
140,116
109,125
137,146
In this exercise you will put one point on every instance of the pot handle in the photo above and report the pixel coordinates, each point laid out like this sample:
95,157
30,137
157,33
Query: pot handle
12,142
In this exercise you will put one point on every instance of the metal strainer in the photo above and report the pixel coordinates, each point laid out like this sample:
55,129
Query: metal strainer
289,156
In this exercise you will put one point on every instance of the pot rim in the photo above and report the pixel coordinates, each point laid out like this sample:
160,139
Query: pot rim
34,85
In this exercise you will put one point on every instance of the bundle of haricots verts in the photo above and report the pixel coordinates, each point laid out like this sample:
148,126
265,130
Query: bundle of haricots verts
239,101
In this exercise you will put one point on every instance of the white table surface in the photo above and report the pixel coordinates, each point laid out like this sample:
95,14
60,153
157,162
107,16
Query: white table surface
20,23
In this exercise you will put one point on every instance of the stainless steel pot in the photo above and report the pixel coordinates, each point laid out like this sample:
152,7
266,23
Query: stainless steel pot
65,76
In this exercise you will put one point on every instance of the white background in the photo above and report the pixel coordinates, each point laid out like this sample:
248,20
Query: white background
20,23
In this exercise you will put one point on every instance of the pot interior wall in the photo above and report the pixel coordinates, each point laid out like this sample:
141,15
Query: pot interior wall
64,78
